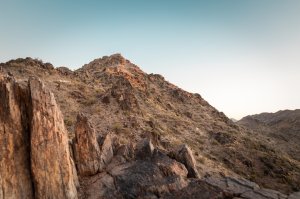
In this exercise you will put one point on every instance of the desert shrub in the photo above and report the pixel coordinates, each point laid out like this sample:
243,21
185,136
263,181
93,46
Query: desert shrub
89,102
117,127
68,122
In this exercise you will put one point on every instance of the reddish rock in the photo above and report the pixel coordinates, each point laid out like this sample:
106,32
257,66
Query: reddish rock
15,180
86,148
51,163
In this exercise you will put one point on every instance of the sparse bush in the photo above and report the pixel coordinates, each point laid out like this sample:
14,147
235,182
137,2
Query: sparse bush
90,101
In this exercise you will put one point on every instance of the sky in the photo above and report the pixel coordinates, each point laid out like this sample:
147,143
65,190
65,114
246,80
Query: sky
242,56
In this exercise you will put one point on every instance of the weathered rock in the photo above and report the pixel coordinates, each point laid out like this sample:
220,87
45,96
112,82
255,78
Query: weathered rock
184,155
145,149
86,148
34,158
15,179
106,151
198,189
50,157
295,195
244,188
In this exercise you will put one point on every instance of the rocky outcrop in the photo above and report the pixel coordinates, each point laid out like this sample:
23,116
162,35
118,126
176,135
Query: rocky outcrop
184,155
92,154
86,148
34,156
50,157
15,177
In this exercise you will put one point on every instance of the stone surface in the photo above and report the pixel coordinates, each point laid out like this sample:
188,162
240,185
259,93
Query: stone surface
86,148
243,188
145,149
34,157
50,157
15,179
106,151
184,155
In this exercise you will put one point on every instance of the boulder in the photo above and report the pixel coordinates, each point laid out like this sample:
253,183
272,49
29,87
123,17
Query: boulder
107,152
86,148
144,149
184,155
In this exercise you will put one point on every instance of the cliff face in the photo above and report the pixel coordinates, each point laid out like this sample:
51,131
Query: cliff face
35,157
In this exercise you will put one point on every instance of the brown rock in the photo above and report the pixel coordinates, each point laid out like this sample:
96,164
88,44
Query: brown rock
50,157
184,155
34,158
86,148
145,149
106,151
15,180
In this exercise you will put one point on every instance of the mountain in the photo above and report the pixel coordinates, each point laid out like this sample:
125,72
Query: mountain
282,127
115,97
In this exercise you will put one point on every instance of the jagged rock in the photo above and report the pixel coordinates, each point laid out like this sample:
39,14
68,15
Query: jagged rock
184,155
50,157
92,155
15,179
106,150
34,157
145,149
86,148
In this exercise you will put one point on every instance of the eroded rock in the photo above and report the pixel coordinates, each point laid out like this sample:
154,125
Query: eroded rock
86,148
50,157
34,158
15,179
184,155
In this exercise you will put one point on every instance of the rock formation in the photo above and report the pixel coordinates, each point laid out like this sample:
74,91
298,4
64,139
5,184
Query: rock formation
50,157
92,154
86,148
35,159
15,175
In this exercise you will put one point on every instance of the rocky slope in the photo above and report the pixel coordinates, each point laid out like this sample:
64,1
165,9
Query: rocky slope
283,127
120,100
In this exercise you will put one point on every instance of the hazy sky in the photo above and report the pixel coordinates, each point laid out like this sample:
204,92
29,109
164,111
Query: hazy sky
242,56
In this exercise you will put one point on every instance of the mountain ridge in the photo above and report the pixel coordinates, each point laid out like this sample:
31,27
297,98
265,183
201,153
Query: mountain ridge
117,96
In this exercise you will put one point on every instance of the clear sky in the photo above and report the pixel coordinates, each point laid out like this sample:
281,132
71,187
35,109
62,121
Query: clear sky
242,56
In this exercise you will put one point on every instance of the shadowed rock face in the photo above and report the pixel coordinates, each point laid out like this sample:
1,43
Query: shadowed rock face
34,156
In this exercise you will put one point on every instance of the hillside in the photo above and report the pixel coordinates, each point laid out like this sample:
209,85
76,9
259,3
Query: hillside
283,127
117,96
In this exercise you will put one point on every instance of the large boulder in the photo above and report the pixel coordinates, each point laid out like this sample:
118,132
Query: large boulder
92,153
184,155
86,148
